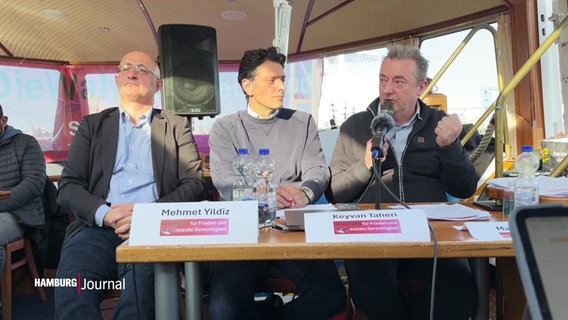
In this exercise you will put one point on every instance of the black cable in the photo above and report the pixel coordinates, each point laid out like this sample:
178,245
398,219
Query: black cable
434,236
376,169
434,270
373,179
377,177
366,189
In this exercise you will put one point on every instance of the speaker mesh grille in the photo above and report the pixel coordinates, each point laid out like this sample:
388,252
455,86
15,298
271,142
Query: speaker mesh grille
188,59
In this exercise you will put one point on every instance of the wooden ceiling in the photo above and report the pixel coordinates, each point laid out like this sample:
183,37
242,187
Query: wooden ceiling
103,30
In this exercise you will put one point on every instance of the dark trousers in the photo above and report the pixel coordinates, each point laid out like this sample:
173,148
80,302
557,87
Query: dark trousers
321,293
90,256
374,286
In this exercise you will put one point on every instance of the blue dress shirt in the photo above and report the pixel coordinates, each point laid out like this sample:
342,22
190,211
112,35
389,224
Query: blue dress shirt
133,174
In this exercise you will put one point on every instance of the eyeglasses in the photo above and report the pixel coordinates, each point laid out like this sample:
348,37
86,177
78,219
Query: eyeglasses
138,68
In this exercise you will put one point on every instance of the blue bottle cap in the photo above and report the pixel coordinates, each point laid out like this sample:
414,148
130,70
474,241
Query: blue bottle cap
243,151
526,149
263,152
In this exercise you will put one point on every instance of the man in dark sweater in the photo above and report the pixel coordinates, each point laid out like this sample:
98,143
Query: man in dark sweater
423,160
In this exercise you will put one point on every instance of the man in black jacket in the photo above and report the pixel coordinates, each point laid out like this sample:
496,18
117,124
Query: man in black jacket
422,161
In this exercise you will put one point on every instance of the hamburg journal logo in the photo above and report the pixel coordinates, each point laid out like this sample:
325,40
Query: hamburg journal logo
80,283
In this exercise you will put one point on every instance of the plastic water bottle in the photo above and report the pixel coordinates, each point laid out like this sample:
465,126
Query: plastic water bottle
265,189
509,198
243,188
526,185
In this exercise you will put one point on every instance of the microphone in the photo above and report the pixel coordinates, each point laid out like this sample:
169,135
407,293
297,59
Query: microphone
380,125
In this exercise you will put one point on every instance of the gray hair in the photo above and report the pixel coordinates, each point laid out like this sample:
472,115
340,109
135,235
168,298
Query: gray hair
399,52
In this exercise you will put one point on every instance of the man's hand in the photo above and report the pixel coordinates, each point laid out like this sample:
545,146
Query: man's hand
369,153
290,197
119,218
448,130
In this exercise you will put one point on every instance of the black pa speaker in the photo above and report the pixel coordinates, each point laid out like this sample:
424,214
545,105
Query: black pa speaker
189,67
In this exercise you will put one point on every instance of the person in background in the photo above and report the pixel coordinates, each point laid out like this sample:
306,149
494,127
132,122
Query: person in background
22,173
302,175
120,156
423,160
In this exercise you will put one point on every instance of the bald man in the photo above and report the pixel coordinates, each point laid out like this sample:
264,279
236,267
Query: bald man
129,154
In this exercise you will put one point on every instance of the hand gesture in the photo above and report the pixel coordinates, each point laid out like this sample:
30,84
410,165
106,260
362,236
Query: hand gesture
448,130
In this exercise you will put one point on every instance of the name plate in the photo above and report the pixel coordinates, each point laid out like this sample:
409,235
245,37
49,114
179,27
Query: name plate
489,230
385,225
179,223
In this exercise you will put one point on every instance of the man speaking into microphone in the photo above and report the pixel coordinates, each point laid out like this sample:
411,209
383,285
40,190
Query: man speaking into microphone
422,160
379,127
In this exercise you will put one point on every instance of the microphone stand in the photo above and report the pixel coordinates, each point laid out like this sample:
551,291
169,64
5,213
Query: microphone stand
377,173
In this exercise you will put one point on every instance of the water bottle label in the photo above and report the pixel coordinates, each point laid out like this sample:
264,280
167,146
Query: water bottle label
243,195
526,196
262,207
265,218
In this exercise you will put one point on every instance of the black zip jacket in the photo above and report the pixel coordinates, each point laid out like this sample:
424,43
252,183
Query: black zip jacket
425,174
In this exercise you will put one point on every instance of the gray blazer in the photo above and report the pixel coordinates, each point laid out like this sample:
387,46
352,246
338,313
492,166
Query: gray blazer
85,179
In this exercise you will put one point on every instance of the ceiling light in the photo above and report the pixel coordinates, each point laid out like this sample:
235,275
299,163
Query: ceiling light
233,15
54,14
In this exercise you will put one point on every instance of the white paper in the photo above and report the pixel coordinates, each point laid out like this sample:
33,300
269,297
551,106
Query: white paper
500,182
216,222
450,212
385,225
547,186
309,207
489,230
295,216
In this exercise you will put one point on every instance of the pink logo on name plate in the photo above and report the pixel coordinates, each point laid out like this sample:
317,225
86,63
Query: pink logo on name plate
194,227
390,226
